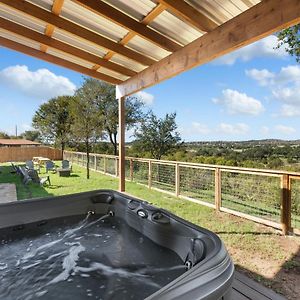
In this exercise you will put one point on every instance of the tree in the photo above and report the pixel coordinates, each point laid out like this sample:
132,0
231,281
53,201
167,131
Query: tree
108,108
4,135
87,123
31,135
290,39
53,120
158,135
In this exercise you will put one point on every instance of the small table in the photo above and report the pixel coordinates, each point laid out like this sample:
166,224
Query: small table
63,172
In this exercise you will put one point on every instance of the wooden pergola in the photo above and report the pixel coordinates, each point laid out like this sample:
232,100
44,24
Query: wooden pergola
135,44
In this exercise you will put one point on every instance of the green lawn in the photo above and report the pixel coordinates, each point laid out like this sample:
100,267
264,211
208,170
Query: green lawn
249,244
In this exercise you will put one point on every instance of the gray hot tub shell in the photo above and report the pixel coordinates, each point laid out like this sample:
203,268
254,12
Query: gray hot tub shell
210,269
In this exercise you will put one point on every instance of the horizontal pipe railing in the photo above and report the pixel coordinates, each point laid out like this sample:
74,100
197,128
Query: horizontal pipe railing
173,177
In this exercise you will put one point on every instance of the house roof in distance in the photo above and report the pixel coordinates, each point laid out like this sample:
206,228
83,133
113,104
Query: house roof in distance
17,142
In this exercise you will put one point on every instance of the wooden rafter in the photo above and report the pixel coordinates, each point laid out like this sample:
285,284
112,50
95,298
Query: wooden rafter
56,9
56,44
56,60
158,9
75,29
189,14
120,18
255,23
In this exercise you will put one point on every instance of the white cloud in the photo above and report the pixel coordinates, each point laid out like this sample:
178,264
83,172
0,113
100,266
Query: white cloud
288,110
147,98
239,103
262,48
262,76
289,74
233,129
195,129
286,130
290,95
41,84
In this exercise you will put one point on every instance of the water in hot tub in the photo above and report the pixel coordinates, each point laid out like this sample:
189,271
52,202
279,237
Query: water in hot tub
95,258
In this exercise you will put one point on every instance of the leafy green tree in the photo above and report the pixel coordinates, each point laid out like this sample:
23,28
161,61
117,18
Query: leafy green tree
4,135
290,39
108,108
53,120
31,135
87,126
158,135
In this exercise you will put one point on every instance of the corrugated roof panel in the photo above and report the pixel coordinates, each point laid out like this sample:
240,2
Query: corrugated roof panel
70,58
78,42
136,9
141,45
21,18
221,11
46,4
86,18
112,73
19,39
175,28
128,63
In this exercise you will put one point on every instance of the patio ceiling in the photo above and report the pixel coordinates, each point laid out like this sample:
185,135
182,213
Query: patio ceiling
135,44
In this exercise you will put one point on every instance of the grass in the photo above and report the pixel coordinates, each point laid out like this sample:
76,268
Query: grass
255,248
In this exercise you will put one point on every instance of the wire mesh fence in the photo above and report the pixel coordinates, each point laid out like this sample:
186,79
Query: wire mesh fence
197,183
163,176
295,202
252,194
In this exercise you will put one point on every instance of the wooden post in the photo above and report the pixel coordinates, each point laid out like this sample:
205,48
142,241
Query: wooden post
122,144
150,174
95,162
285,204
131,169
105,165
218,192
177,180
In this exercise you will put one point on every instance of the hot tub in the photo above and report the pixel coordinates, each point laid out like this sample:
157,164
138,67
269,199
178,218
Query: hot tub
106,245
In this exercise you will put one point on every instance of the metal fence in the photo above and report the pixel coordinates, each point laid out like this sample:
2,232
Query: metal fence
270,197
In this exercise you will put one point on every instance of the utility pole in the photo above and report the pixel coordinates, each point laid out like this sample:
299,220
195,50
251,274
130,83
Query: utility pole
16,131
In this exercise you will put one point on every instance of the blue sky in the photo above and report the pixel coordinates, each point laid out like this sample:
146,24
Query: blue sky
252,93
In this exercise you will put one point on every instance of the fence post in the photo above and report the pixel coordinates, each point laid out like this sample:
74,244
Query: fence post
218,192
131,169
285,207
150,175
177,180
95,162
116,167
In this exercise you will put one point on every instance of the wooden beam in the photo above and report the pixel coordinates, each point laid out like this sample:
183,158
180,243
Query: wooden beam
120,18
77,30
56,60
122,144
56,44
56,9
255,23
189,14
158,9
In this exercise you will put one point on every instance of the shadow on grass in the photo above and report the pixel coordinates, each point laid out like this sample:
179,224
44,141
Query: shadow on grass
32,190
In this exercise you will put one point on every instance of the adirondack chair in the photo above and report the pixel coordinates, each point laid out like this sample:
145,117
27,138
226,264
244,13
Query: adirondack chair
40,180
50,166
29,164
25,174
65,164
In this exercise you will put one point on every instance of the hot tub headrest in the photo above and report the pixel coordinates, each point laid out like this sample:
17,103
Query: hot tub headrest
105,198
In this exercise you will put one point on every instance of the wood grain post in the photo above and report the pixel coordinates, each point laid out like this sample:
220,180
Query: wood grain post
105,165
218,192
131,169
95,162
122,144
149,174
177,180
285,204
